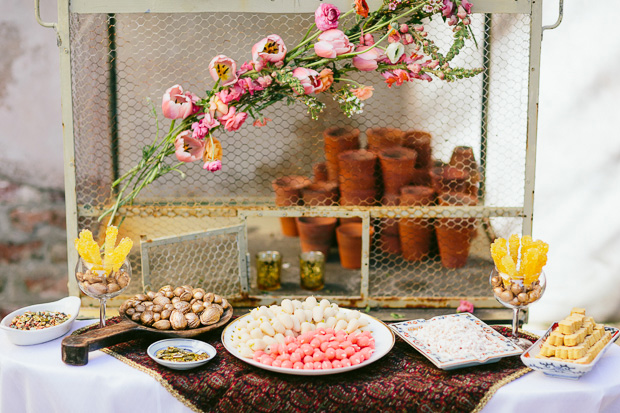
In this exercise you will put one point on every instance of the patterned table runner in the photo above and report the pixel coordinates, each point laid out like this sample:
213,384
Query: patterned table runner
401,381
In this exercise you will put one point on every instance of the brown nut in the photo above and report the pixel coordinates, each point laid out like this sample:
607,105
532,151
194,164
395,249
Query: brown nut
156,317
217,299
225,303
209,316
157,308
93,277
522,297
198,293
193,320
140,307
198,307
123,280
97,289
165,288
506,296
169,294
516,289
150,295
186,296
79,276
136,316
113,288
175,299
496,281
169,306
498,290
130,311
208,298
515,301
165,314
178,291
182,306
161,300
533,296
178,320
141,297
162,325
147,304
147,318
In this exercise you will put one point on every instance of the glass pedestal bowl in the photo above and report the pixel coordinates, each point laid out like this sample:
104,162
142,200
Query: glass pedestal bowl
97,284
517,294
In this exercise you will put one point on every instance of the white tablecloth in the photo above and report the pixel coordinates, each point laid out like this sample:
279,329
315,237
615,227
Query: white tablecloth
34,379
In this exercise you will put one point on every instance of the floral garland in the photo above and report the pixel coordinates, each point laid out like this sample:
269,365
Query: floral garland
375,42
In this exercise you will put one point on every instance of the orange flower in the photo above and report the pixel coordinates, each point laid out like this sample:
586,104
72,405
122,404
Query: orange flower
327,78
361,8
213,150
364,92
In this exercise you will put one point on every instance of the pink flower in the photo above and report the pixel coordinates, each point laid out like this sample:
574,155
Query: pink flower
224,69
327,79
465,307
261,122
249,85
270,49
175,104
394,35
404,28
326,17
398,76
407,38
364,92
232,121
188,149
361,8
228,95
367,62
245,67
448,8
264,81
332,43
467,5
415,68
461,13
212,166
202,127
309,79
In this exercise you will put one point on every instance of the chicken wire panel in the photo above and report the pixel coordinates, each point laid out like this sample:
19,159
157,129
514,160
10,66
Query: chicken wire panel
121,63
210,260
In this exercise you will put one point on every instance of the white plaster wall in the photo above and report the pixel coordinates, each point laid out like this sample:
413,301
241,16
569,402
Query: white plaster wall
578,173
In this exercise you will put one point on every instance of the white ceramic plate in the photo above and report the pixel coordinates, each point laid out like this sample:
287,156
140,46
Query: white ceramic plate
561,368
195,346
384,341
503,347
67,305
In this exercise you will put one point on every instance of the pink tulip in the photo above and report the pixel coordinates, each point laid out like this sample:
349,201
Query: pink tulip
309,79
224,69
188,149
212,166
367,62
332,43
175,104
232,121
326,17
270,49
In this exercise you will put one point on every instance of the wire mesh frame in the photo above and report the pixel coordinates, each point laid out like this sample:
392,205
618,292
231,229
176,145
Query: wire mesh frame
511,7
149,248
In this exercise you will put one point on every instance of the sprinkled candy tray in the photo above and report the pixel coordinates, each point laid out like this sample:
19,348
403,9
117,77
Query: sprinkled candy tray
456,341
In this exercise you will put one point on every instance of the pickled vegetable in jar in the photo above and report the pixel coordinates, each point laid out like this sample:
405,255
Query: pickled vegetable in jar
312,270
268,269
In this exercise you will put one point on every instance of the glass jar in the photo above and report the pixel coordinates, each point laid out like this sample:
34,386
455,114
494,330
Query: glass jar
268,269
312,270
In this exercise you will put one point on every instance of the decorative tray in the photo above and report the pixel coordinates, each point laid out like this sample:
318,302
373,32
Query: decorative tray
562,368
461,340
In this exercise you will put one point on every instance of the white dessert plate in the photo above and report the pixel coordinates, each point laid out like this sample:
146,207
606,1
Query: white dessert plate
195,346
384,341
561,368
67,305
496,345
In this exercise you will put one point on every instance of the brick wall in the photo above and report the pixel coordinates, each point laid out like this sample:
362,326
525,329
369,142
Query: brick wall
33,249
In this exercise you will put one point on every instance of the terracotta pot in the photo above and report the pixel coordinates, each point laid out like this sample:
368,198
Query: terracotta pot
416,233
397,168
390,226
338,140
454,235
320,194
350,245
288,193
450,179
361,197
381,138
421,177
389,243
420,142
316,233
357,170
463,158
319,172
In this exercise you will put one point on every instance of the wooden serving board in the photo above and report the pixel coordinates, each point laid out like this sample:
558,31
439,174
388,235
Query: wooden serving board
75,348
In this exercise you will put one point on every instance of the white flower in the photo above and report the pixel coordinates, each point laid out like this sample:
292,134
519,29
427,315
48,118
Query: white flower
394,51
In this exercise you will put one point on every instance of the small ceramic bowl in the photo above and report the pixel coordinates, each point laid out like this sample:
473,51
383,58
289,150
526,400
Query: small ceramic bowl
195,346
67,305
560,368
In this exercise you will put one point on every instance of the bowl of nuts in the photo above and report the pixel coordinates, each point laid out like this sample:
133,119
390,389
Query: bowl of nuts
39,323
181,353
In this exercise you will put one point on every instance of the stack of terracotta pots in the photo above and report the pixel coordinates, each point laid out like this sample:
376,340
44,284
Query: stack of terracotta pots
338,140
416,234
356,178
288,193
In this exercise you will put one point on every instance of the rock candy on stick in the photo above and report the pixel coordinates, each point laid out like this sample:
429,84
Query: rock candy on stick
111,233
513,243
120,253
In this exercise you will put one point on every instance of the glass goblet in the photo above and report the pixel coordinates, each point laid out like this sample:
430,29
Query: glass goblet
517,294
97,284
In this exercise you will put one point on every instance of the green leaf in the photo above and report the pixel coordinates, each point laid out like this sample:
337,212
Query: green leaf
397,316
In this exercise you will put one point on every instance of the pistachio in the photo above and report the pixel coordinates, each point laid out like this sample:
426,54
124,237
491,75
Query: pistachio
97,289
169,306
165,314
136,316
147,304
516,289
175,299
156,317
225,303
113,287
161,300
217,299
169,294
186,296
198,307
198,293
123,280
166,288
178,291
141,297
140,307
130,311
157,308
208,298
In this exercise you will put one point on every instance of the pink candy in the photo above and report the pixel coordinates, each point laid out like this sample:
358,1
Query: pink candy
319,349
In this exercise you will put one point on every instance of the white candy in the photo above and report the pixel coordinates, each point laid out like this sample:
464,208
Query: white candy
330,322
308,315
317,314
280,337
254,313
341,325
340,315
353,314
329,312
253,324
300,314
246,351
296,304
290,333
286,320
267,329
305,327
287,306
297,322
321,325
324,303
269,340
352,326
257,333
278,326
363,321
257,344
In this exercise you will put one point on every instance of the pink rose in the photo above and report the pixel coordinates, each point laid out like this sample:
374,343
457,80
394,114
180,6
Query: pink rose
224,69
465,307
367,62
232,121
212,166
326,17
309,79
188,149
175,104
332,43
270,49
